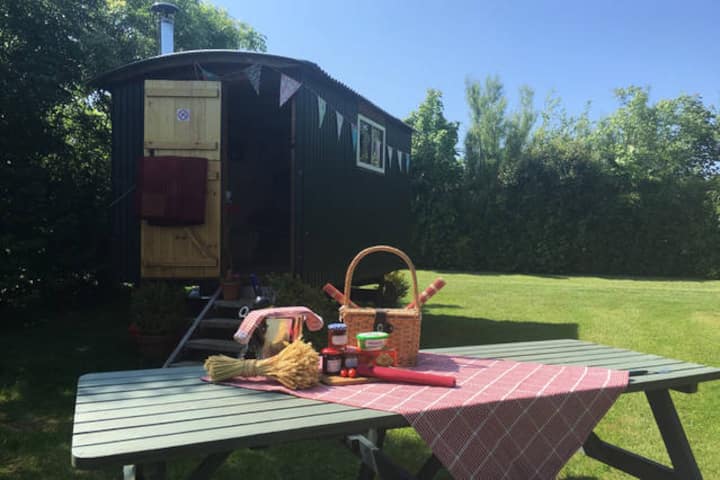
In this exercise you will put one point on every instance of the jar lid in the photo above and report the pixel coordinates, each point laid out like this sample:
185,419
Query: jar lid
372,335
337,326
330,351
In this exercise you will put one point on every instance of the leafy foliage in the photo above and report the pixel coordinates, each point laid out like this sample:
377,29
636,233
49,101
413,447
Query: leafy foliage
437,182
634,193
394,288
158,308
55,132
292,291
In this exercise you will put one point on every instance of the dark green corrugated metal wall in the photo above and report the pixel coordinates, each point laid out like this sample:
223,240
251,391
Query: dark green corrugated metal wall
127,145
345,208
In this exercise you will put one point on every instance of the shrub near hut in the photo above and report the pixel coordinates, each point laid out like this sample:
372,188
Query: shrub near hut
158,308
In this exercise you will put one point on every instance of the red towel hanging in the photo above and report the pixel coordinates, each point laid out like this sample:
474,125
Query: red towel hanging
172,190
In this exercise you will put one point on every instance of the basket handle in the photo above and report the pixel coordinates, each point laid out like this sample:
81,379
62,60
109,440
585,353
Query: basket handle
380,248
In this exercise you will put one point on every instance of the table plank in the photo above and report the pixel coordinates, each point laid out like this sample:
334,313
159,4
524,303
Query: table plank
686,373
248,401
91,378
199,396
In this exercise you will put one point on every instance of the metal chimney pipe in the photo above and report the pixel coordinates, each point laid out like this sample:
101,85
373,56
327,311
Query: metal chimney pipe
166,26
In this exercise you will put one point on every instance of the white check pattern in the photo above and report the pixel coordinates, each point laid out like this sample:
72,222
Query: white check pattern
504,420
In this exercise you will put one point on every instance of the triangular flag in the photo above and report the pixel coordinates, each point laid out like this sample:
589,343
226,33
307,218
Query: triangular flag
339,119
253,75
407,165
353,130
288,87
322,106
389,160
400,160
207,75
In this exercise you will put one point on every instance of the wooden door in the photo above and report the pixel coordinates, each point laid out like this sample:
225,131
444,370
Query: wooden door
182,118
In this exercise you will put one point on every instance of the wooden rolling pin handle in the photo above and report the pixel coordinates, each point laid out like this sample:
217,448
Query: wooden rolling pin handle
336,295
431,290
408,376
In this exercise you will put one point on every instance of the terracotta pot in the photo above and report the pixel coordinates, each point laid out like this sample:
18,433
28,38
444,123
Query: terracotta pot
231,290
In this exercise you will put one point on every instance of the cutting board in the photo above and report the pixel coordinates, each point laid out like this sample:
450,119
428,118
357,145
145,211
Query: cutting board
338,380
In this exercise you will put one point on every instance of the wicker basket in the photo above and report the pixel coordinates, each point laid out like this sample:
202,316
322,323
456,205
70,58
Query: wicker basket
402,324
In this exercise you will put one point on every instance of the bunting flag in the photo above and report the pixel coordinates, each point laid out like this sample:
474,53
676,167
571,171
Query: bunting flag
389,160
205,74
253,75
339,119
322,106
354,131
407,163
288,87
400,160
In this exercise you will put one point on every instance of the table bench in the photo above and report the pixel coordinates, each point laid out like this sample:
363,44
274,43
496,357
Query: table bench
143,418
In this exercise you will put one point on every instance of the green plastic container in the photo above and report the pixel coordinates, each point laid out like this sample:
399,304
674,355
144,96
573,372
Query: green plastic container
372,340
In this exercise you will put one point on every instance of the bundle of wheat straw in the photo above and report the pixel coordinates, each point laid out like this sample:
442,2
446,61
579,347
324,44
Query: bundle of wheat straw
296,366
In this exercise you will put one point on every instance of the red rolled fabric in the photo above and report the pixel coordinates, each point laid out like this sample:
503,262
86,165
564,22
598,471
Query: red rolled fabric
426,294
408,376
336,295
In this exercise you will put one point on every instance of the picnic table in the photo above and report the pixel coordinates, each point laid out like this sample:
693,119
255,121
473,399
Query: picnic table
140,419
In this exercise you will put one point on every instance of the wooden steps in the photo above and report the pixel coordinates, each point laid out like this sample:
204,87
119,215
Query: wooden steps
219,322
212,330
234,303
214,345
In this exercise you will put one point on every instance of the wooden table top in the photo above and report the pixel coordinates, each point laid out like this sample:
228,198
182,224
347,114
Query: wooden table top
139,416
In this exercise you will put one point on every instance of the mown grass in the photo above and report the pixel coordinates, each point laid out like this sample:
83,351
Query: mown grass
39,367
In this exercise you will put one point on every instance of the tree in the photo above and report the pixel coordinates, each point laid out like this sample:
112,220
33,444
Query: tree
437,177
671,138
54,131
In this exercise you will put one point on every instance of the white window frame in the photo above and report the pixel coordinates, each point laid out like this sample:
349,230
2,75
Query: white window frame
382,150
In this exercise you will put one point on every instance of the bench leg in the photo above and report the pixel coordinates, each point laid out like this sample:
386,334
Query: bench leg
676,443
374,461
673,435
145,471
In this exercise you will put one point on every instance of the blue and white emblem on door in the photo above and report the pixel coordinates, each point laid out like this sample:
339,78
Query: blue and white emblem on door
183,114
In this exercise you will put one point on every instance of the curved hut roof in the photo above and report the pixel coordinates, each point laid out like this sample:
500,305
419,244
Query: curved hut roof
224,63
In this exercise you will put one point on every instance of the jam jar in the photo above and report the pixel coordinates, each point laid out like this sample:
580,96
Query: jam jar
337,335
331,361
350,357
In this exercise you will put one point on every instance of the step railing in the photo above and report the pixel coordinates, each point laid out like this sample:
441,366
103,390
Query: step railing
192,328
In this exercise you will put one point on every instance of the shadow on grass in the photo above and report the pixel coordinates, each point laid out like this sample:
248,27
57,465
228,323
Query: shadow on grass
607,276
450,330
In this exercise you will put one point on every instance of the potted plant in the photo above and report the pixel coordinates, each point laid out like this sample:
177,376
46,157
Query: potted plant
157,312
230,286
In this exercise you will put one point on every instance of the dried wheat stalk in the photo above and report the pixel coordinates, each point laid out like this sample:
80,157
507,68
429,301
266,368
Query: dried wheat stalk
296,366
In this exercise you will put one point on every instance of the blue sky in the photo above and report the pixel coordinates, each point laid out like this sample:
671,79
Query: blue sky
392,51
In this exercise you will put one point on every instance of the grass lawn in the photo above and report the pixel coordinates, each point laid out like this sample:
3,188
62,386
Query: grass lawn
39,366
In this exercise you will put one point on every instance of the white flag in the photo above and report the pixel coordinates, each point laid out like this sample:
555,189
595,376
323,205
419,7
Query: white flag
253,73
322,106
288,87
339,119
400,160
389,160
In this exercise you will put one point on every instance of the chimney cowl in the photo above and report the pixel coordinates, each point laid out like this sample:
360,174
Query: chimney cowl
164,8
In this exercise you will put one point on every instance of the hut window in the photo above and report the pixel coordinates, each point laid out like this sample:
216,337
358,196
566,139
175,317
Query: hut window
371,145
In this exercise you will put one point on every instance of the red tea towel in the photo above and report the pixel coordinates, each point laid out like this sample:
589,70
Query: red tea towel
171,190
504,420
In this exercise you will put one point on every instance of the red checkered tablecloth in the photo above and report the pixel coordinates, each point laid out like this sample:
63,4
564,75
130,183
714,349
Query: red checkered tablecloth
504,420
